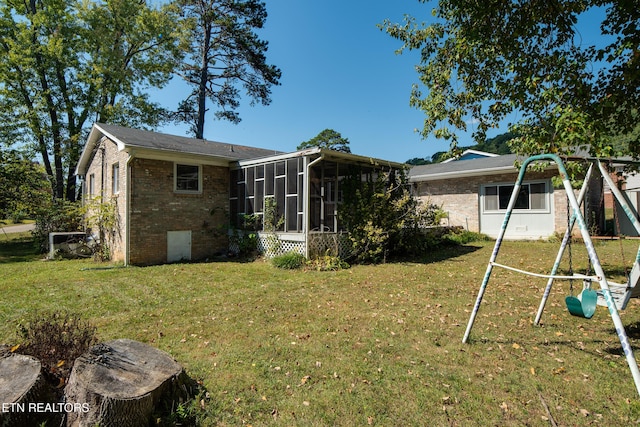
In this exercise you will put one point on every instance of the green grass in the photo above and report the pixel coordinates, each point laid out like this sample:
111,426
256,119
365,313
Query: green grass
368,345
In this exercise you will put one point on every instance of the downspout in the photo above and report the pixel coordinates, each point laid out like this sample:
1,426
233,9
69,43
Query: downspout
127,227
307,202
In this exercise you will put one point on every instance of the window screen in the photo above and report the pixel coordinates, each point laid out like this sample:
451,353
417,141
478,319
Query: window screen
187,178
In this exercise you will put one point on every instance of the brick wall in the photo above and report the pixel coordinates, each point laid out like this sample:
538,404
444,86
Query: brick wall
156,209
460,197
101,171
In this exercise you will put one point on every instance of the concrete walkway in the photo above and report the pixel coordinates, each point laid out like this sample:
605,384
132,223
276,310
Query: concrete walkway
17,228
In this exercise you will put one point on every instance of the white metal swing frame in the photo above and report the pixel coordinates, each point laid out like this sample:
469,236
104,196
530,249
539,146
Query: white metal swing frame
612,295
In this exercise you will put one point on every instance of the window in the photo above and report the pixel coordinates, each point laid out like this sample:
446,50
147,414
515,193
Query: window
92,184
532,196
187,178
115,178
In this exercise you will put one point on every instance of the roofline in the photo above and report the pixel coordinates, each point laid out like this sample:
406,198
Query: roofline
468,173
326,153
97,133
462,174
482,153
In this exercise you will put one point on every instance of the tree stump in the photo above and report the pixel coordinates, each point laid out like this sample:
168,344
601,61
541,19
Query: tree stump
120,383
23,391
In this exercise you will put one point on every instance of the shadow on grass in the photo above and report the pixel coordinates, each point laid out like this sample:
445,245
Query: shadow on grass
17,249
440,253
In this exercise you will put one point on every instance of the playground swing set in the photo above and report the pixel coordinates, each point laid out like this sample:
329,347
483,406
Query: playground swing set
614,296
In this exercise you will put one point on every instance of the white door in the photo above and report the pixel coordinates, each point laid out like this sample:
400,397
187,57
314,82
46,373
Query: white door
178,246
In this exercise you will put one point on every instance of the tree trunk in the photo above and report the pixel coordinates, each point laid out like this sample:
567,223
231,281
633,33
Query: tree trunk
22,388
121,383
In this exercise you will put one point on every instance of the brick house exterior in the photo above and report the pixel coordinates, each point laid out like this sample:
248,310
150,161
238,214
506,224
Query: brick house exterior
177,198
461,186
135,171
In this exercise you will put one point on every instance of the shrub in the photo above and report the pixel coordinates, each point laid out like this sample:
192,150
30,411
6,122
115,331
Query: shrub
383,218
328,262
58,215
462,237
56,339
289,261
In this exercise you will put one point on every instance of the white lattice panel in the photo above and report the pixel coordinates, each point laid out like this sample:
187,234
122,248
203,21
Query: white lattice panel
273,245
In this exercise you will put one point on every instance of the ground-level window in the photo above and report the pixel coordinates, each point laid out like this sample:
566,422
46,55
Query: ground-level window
532,196
187,178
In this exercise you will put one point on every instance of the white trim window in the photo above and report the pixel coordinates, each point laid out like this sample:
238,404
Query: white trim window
92,185
187,178
115,178
532,196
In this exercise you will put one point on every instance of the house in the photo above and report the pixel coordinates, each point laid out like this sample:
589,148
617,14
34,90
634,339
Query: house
475,193
175,198
470,154
629,184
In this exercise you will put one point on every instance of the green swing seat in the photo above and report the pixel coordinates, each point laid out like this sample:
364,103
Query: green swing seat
583,305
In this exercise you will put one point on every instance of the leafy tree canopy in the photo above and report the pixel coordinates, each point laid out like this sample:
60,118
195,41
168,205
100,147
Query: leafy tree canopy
329,139
23,185
67,63
498,145
487,62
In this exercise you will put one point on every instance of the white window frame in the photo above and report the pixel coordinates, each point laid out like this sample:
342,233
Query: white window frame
546,193
175,179
92,185
115,178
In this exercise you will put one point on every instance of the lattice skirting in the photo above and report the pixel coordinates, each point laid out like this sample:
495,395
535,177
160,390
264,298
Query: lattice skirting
320,244
333,244
271,245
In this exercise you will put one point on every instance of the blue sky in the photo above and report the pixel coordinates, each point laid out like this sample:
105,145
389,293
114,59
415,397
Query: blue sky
339,71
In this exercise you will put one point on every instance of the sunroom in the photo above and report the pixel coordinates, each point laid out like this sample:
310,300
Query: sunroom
293,200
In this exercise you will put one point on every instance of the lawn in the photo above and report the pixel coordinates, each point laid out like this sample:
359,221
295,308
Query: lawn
369,345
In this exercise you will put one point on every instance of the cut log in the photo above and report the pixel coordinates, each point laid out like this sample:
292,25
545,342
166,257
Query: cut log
24,392
121,383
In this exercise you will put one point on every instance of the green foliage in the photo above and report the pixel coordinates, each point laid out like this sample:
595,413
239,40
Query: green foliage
225,54
56,215
245,239
329,139
273,220
463,237
327,262
69,62
57,339
102,215
487,64
289,261
383,218
23,186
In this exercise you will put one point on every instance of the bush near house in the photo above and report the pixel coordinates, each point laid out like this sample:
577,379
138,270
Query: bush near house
383,218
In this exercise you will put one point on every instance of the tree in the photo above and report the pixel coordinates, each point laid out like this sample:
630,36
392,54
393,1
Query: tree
329,139
68,62
23,185
225,56
481,62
